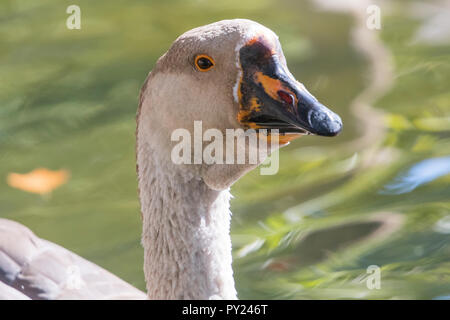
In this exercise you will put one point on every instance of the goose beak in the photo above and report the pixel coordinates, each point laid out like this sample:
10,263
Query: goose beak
271,98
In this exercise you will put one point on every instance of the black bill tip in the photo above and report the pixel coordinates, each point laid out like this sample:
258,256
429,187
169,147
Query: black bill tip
323,121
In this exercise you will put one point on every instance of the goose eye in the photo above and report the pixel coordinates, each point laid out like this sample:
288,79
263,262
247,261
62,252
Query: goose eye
203,62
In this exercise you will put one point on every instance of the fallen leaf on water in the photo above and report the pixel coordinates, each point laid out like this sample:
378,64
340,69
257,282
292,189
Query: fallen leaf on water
41,180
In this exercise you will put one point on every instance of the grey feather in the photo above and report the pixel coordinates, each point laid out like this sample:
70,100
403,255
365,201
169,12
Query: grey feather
34,268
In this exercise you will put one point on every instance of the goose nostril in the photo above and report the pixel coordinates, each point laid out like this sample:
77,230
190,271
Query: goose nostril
286,97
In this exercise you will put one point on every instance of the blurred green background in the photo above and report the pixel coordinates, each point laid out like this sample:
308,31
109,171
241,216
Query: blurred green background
376,195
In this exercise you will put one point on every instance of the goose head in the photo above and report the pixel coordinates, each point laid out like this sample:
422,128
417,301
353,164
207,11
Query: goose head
230,74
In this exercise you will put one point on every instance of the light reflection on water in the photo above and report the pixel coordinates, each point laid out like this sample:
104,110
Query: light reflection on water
421,173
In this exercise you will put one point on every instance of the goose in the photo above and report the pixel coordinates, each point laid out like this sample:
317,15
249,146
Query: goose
230,74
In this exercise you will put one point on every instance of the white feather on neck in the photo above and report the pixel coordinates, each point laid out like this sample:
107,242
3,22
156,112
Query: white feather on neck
185,231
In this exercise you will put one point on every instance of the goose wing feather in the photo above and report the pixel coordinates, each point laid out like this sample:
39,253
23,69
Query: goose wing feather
33,268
